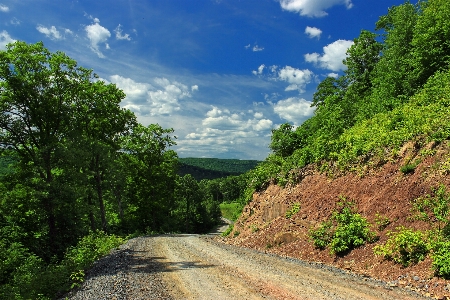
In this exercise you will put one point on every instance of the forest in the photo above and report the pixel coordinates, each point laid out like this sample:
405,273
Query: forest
79,174
213,168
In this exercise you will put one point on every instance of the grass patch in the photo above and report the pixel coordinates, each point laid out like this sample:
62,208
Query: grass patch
231,211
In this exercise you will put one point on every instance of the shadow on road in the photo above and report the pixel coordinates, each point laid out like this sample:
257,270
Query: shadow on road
150,264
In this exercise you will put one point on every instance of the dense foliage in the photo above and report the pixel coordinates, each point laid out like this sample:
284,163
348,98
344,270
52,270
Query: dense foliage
77,168
395,89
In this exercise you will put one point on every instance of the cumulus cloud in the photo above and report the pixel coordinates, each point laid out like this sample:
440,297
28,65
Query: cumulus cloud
332,57
160,98
5,39
295,110
313,32
50,32
4,8
222,132
312,8
164,100
223,119
134,90
119,34
297,79
97,35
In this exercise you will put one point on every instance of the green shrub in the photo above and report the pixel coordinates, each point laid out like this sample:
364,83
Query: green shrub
441,259
293,210
405,246
352,229
345,230
321,237
408,168
33,279
434,207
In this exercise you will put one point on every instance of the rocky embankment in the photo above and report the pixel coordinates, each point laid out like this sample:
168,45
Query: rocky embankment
379,188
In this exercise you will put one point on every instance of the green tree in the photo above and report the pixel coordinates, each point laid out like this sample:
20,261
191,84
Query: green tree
38,93
431,39
284,140
362,57
151,172
394,81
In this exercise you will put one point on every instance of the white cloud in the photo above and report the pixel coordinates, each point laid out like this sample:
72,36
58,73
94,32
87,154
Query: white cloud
260,70
247,47
97,34
5,39
4,8
313,32
295,110
332,57
312,8
51,32
134,90
334,75
165,101
119,35
194,88
256,48
223,119
162,98
258,115
297,79
223,131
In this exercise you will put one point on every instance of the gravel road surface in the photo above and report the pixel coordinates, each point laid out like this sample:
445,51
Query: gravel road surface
199,267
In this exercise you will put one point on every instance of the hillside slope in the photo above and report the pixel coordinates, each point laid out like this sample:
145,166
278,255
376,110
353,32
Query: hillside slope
383,190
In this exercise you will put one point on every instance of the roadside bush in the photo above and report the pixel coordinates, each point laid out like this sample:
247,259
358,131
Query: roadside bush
322,236
352,229
405,246
441,259
33,279
345,231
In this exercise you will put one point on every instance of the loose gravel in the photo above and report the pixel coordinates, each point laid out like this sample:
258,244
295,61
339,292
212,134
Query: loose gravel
199,267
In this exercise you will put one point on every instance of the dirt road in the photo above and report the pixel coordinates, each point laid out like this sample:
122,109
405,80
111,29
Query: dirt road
197,267
200,267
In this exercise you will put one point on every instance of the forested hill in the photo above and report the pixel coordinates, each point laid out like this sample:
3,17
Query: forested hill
212,168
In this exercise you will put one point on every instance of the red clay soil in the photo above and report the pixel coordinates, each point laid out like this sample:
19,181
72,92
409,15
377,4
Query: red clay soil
383,190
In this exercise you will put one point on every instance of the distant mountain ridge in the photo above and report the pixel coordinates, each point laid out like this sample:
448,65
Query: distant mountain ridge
212,168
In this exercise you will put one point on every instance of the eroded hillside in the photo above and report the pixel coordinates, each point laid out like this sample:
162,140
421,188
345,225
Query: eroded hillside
379,189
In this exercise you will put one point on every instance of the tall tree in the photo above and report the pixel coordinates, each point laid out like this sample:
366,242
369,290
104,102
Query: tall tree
38,91
393,80
362,57
152,170
431,39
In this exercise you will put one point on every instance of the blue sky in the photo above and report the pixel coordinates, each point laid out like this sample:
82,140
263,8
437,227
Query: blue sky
221,73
